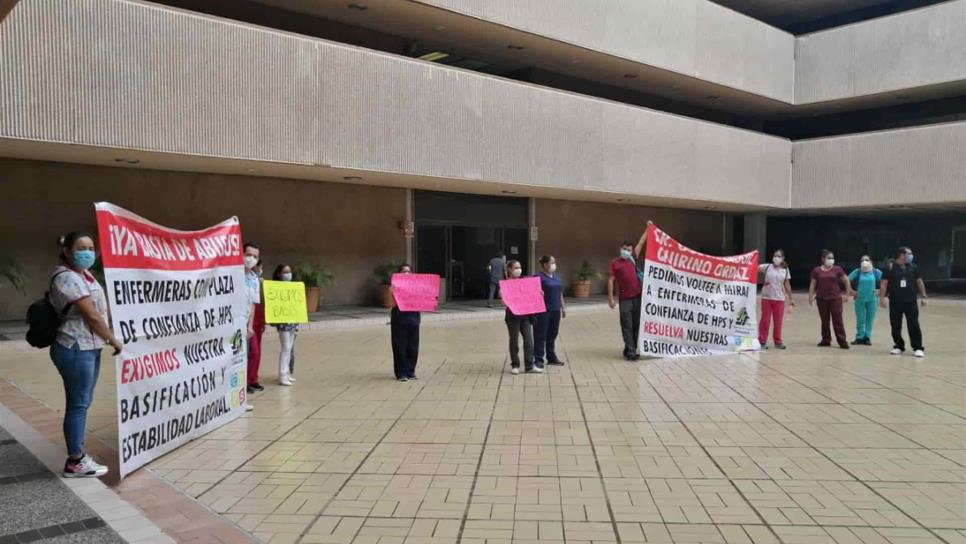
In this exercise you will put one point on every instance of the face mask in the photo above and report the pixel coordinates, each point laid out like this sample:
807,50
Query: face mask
84,258
553,268
625,254
286,276
250,262
866,266
517,272
829,262
908,257
777,260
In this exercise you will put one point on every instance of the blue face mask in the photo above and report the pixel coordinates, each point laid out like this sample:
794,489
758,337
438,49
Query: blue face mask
286,276
909,257
625,254
84,258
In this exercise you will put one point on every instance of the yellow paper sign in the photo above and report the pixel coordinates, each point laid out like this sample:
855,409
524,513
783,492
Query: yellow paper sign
285,302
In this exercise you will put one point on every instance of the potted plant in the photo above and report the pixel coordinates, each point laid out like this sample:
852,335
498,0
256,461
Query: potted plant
582,279
12,271
314,277
384,273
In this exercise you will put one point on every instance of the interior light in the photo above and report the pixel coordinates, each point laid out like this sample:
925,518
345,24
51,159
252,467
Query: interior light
434,56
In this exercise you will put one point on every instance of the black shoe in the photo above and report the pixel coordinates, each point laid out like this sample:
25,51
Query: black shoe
858,341
413,377
867,342
824,345
402,379
556,363
844,345
250,389
780,346
257,387
764,347
634,357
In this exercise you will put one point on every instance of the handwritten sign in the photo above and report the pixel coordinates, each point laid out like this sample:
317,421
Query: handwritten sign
416,292
285,302
523,296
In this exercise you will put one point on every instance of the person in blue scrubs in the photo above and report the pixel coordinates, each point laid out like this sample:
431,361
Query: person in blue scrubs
548,323
865,281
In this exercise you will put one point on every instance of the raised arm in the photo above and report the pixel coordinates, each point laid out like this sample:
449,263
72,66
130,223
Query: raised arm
640,243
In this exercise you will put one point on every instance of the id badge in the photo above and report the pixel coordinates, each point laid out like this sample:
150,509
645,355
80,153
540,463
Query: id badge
902,284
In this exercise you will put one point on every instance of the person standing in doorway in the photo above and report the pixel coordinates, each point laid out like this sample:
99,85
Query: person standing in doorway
548,323
76,351
901,282
286,336
404,332
624,281
825,290
776,289
253,290
865,281
497,271
517,326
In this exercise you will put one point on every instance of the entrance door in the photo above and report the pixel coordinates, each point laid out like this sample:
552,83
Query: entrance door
957,265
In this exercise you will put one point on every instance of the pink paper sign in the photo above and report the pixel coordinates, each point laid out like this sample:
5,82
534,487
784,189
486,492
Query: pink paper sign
416,292
523,296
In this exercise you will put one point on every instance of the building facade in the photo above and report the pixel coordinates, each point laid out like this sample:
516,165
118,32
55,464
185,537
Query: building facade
442,131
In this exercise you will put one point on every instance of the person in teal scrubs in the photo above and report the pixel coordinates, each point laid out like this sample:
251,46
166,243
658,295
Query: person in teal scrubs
865,281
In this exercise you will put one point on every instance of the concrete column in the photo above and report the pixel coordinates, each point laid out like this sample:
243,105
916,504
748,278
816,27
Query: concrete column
756,230
532,237
410,225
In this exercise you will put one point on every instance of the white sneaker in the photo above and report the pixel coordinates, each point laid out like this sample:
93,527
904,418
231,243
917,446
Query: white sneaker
896,351
249,407
291,379
85,468
285,380
514,370
537,370
919,353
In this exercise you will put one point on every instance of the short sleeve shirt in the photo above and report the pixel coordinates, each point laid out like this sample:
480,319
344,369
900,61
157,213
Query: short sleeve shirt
551,291
67,288
624,272
773,287
253,289
497,266
828,283
896,276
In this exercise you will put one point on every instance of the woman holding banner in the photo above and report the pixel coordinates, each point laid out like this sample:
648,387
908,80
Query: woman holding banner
286,336
776,288
517,326
404,327
824,288
548,323
76,351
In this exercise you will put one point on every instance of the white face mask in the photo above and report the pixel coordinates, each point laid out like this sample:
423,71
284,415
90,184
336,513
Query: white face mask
866,266
250,262
829,261
286,276
516,272
553,267
777,260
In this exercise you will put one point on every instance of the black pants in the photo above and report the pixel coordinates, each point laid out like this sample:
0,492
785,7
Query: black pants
911,311
405,345
545,335
630,312
517,327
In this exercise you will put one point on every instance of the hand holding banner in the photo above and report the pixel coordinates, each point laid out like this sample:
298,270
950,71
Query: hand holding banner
285,302
523,296
416,292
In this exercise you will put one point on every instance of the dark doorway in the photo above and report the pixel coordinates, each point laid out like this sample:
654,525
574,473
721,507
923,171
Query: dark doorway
457,235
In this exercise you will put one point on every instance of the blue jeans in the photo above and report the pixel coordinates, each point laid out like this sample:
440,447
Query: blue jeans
79,369
545,336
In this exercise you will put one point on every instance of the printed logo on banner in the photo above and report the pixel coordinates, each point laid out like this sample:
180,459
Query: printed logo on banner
742,318
175,296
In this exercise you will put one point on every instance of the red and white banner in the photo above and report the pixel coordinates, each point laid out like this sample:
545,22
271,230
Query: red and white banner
179,306
695,304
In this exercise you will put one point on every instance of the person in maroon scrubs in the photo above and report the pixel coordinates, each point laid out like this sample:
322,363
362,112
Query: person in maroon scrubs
828,281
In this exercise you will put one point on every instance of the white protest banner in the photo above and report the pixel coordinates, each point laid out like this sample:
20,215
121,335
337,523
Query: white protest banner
177,303
695,304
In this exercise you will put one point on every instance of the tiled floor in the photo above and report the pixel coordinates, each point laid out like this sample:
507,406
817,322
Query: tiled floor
809,445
